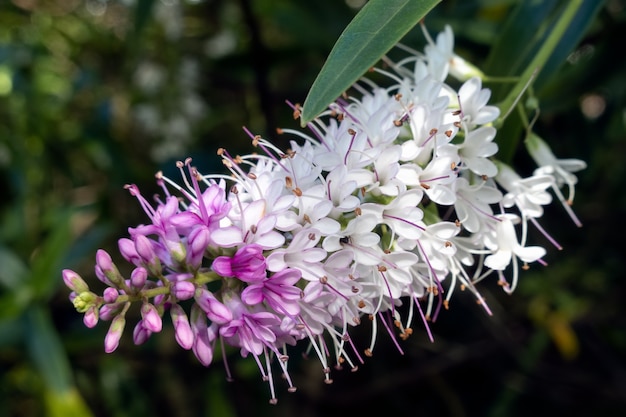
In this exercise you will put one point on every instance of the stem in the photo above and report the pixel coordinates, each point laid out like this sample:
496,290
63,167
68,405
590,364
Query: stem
542,56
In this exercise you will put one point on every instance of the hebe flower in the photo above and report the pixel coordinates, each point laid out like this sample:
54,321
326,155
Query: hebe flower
391,197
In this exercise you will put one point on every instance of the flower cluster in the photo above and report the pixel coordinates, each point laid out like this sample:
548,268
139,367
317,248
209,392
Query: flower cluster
388,203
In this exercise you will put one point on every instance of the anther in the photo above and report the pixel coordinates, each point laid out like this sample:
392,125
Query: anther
368,353
279,131
433,131
352,131
446,304
297,191
361,304
398,97
253,229
220,151
324,279
382,268
397,123
448,133
525,266
252,175
256,140
425,186
357,211
311,236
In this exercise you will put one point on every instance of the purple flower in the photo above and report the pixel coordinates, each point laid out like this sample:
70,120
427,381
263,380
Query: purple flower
215,310
279,291
248,264
250,331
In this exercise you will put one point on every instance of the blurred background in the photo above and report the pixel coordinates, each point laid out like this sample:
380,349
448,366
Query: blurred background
95,94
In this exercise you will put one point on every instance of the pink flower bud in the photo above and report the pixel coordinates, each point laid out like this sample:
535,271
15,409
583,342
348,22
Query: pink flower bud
90,319
197,243
151,318
113,336
183,290
182,328
215,310
128,251
202,344
110,295
109,311
138,277
140,333
145,249
105,263
74,282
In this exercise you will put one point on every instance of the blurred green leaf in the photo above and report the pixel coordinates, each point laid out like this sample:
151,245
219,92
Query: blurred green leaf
46,263
375,30
534,44
12,271
48,354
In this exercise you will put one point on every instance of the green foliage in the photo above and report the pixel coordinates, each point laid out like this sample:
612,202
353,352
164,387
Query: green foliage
377,28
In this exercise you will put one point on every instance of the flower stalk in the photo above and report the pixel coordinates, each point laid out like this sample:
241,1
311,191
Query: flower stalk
392,201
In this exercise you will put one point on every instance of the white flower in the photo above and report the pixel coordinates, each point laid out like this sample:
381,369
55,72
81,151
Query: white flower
359,238
473,204
301,254
560,169
528,194
475,150
442,59
473,101
436,178
507,249
402,214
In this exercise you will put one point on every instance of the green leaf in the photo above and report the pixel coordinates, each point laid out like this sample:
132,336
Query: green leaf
378,26
48,354
13,272
533,45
